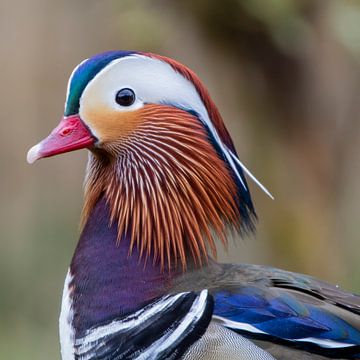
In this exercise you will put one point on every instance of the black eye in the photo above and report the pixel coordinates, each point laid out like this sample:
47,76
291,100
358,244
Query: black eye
125,97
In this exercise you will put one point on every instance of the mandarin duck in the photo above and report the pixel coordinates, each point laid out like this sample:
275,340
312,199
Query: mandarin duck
163,182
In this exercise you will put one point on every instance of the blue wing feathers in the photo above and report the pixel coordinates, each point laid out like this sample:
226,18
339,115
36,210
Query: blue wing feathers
282,315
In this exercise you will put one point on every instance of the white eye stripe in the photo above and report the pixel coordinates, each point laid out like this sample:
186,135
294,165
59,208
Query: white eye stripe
153,81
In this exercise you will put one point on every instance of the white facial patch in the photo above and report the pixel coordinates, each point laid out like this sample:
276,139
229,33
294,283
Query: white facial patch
156,82
152,80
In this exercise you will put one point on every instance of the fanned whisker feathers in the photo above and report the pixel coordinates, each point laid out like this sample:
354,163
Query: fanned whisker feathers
167,188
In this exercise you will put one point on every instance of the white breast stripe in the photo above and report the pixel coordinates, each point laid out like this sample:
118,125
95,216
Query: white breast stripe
67,334
195,312
131,321
180,331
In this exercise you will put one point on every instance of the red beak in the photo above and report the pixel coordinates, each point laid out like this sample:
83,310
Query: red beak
71,134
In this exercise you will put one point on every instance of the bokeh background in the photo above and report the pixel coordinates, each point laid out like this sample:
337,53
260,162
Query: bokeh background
286,77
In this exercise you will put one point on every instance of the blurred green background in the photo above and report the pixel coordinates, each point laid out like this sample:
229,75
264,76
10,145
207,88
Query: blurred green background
286,77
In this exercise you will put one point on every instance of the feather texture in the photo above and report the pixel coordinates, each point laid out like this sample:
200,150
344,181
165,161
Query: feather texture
164,329
209,104
166,186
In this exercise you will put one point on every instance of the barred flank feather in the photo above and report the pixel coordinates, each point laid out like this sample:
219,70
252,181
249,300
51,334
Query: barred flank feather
166,186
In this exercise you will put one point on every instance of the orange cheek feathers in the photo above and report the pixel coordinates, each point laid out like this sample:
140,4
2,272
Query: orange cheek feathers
112,126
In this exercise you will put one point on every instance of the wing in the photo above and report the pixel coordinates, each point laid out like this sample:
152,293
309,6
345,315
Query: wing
164,329
291,309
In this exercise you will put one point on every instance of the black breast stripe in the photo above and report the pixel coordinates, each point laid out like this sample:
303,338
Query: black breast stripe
164,329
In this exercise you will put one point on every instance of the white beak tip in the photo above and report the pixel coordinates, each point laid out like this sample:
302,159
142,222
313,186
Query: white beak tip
33,154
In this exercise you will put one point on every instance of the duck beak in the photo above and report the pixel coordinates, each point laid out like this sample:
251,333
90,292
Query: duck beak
71,134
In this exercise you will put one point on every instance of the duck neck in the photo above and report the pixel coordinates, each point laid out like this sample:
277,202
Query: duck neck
108,280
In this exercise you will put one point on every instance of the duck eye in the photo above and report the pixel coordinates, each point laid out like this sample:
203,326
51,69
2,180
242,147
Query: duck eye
125,97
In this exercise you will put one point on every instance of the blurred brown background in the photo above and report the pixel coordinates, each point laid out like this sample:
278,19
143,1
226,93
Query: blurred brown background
286,77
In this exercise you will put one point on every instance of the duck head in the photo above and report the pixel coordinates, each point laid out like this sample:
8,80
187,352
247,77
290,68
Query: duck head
159,152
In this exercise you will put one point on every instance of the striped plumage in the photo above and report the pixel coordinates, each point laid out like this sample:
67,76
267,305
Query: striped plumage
163,182
156,176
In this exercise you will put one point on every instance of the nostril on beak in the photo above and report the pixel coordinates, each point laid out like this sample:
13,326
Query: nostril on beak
66,131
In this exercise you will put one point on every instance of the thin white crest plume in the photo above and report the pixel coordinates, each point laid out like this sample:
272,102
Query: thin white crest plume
252,177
